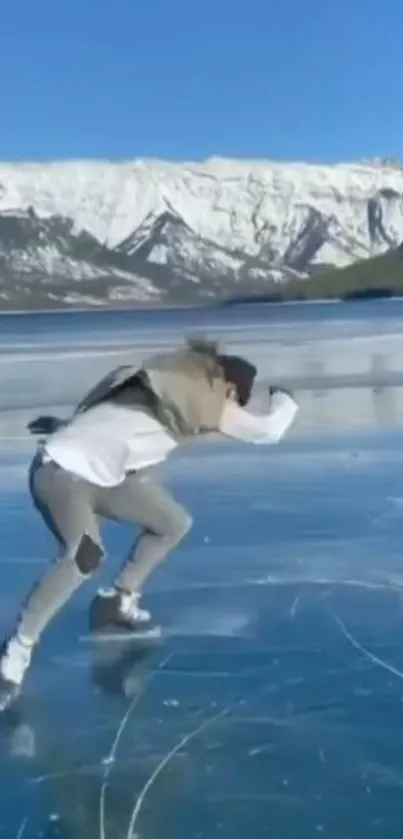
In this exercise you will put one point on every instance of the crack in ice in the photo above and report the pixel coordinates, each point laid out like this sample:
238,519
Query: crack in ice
109,760
294,607
22,827
164,762
265,690
371,656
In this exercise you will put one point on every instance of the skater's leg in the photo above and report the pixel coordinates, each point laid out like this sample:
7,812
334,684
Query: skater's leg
67,507
163,522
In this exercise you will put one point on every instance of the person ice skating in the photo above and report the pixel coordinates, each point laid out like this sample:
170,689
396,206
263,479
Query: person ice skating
95,466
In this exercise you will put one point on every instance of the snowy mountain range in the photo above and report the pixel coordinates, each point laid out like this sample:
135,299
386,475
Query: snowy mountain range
147,232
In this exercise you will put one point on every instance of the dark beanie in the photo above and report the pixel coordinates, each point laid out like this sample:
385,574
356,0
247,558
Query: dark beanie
240,373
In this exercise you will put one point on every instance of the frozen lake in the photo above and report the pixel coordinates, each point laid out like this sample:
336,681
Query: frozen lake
274,708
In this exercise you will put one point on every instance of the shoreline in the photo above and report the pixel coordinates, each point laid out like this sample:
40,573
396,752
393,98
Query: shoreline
178,307
194,307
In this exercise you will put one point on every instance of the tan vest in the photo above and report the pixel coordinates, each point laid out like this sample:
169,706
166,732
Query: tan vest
188,387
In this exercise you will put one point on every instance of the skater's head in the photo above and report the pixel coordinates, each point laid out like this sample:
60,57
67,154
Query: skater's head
240,375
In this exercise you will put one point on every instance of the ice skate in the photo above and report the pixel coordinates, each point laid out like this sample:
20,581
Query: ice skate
15,659
114,614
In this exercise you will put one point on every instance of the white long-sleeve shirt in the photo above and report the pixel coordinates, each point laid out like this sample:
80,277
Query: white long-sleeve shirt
106,442
239,423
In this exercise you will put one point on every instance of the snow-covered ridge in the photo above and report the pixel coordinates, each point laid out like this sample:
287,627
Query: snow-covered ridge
167,231
237,204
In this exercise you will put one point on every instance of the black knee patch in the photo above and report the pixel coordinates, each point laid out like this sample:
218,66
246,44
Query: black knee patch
88,556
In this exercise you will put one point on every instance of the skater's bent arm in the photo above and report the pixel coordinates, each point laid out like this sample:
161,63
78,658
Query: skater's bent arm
240,424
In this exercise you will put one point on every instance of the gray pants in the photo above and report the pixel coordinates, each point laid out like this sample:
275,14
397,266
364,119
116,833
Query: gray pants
71,508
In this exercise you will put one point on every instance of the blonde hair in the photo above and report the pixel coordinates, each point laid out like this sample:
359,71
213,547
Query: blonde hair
200,344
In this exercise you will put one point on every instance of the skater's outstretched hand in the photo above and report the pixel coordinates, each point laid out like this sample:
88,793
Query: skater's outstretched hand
239,423
274,389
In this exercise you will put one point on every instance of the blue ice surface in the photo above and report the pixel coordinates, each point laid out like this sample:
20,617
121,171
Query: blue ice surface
273,705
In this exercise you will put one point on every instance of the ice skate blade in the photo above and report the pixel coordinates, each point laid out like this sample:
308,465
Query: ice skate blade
123,635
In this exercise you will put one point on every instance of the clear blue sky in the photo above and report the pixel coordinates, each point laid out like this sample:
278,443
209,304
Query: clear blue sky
289,79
